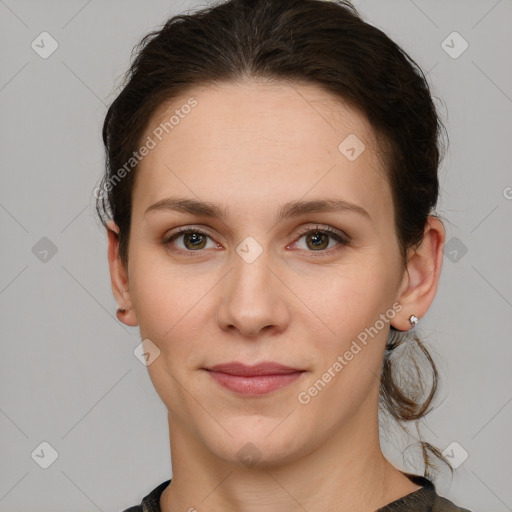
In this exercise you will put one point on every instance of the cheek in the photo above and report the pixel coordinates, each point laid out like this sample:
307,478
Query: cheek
170,302
156,295
349,325
350,342
169,307
346,300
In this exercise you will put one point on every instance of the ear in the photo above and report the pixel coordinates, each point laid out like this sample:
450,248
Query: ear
421,276
119,277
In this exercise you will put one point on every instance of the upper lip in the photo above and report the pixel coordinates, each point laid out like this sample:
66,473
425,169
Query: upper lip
265,368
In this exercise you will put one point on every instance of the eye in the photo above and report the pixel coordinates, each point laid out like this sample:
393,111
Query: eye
192,240
318,239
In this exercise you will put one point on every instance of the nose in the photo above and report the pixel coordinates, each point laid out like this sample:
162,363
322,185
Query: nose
253,299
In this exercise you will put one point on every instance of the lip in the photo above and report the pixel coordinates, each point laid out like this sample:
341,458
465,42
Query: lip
254,380
244,370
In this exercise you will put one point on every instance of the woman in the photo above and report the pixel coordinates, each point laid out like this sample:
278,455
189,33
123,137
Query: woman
269,202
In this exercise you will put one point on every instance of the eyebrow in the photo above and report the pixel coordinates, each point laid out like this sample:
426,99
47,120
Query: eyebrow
290,209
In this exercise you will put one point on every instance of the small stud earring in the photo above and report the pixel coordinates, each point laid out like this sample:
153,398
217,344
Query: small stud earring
413,319
121,309
120,313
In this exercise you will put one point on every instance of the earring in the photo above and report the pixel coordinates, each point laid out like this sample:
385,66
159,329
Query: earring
120,313
413,319
121,309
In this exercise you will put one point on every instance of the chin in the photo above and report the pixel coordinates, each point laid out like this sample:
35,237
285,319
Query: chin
256,443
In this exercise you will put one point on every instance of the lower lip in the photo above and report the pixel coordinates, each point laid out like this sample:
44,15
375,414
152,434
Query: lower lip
257,385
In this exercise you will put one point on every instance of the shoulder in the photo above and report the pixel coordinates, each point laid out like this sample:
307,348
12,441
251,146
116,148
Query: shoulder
444,505
427,495
150,502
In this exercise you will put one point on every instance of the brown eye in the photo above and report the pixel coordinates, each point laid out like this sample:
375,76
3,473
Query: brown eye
192,240
196,240
319,240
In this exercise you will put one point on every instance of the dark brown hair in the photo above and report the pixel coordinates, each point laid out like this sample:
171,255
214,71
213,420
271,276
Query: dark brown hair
326,44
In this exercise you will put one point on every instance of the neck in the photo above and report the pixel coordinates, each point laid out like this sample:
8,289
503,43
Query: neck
346,472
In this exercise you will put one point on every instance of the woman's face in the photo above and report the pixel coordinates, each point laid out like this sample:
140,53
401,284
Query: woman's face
254,286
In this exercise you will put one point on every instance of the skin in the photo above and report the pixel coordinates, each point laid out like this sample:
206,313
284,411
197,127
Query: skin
251,147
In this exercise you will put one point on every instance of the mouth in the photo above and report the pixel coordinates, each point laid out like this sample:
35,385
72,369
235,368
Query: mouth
253,380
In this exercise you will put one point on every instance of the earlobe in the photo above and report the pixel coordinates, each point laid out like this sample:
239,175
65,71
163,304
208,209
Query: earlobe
119,278
421,277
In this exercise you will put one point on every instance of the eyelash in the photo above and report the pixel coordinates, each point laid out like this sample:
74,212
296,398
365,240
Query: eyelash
343,240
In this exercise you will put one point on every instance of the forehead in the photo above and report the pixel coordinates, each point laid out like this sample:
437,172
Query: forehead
256,138
262,110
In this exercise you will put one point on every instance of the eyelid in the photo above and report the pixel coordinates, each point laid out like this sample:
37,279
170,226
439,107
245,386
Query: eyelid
325,228
343,238
187,229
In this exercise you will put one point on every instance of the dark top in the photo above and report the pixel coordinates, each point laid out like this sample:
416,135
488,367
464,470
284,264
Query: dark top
425,499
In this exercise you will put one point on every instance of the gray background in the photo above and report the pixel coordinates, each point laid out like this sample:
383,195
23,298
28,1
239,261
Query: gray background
68,375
